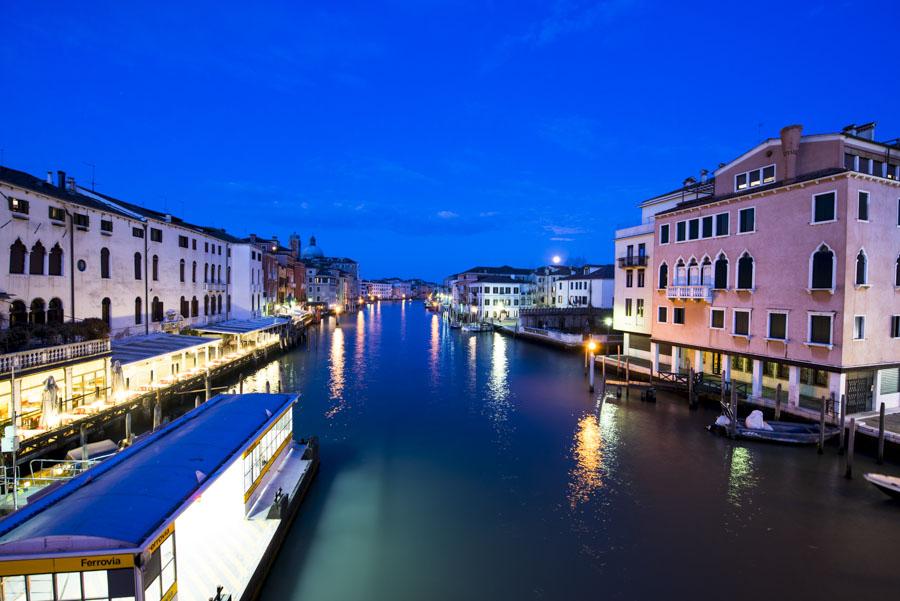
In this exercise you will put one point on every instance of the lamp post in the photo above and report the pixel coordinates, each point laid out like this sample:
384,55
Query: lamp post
591,349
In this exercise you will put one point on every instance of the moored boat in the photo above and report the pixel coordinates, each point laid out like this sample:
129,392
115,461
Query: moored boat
776,431
477,327
889,485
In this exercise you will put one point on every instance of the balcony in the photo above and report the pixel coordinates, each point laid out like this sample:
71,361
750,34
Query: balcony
701,292
52,355
633,261
214,286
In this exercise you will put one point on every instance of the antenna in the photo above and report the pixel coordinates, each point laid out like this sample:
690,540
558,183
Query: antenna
93,172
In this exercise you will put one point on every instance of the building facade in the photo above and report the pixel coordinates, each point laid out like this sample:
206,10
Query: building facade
589,286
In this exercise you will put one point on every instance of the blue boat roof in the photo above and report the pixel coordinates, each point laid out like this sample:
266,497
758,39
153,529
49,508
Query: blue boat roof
125,499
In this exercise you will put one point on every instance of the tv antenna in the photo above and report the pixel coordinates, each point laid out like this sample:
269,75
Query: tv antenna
93,173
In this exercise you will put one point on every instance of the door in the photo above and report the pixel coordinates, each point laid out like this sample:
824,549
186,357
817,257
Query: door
859,391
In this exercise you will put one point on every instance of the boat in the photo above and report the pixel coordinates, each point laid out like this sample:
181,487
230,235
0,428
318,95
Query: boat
889,485
455,324
776,431
477,327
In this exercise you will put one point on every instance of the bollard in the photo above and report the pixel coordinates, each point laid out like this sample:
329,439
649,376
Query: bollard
267,387
196,401
851,439
842,444
591,374
881,435
128,434
241,384
821,445
778,402
208,388
157,415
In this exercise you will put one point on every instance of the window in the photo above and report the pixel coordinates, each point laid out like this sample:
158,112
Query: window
104,263
156,309
745,279
106,311
57,214
155,234
36,260
662,314
890,381
640,278
678,315
754,178
865,165
820,328
747,220
863,206
137,266
693,229
183,241
722,222
680,231
717,319
741,326
822,269
706,227
824,207
706,272
17,254
895,326
106,225
849,161
195,306
55,311
777,326
138,312
37,316
181,270
862,270
664,233
859,327
664,274
185,308
17,205
82,220
627,307
194,244
629,278
897,274
194,271
155,268
137,232
720,278
639,309
206,304
55,266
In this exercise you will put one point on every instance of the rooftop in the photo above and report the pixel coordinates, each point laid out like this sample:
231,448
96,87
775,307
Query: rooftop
124,500
602,272
243,326
139,348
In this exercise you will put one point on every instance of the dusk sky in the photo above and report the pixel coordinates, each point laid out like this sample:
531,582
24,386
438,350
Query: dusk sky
422,138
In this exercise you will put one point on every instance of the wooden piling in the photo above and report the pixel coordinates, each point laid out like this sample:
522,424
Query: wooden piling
778,402
157,416
734,410
842,445
267,387
851,439
722,388
196,401
208,385
128,433
604,371
822,426
690,387
82,433
241,384
881,435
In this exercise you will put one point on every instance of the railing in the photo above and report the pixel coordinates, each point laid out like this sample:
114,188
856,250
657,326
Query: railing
563,337
633,261
214,285
692,292
52,354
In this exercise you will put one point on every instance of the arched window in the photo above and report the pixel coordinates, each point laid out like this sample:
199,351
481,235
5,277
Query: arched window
680,273
156,309
17,253
55,266
195,307
205,272
706,272
862,269
36,260
55,311
745,280
18,313
181,270
219,274
219,304
106,311
822,276
155,268
228,304
721,273
194,271
693,273
185,309
37,316
228,275
104,263
137,266
206,304
138,311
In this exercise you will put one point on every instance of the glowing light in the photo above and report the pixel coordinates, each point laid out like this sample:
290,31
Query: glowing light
557,259
607,322
592,346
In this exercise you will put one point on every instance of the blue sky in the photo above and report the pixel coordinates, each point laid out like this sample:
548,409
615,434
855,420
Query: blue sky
424,137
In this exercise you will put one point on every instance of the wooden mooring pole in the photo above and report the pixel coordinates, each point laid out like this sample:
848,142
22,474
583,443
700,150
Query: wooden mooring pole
208,385
82,433
851,439
778,402
690,387
128,434
842,441
881,435
627,377
196,401
822,426
734,411
241,384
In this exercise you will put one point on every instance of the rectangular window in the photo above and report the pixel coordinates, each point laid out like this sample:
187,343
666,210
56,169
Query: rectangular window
863,206
707,227
640,278
194,244
768,174
895,326
664,233
17,205
878,168
747,220
890,381
627,307
629,276
824,208
183,241
106,225
137,232
82,220
849,161
662,314
693,229
777,326
639,308
754,178
740,182
722,224
57,214
865,165
717,319
741,326
680,231
678,315
859,327
820,329
155,234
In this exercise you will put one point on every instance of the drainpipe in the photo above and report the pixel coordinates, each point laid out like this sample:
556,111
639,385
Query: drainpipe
71,264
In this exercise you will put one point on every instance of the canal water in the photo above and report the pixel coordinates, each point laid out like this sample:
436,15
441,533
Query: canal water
476,466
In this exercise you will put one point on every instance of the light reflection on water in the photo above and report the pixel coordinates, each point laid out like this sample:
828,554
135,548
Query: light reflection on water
434,349
336,372
359,355
499,405
471,365
741,477
593,450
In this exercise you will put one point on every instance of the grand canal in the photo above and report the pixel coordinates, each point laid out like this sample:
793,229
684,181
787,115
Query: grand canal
475,466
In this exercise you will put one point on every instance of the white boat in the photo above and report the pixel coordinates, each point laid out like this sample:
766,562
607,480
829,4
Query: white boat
477,327
889,485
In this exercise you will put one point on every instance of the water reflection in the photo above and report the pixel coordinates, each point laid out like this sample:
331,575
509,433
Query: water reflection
498,403
434,348
336,372
270,373
359,356
471,365
741,477
593,447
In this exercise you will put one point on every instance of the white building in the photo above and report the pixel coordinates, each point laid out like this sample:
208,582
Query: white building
545,293
248,291
590,286
468,287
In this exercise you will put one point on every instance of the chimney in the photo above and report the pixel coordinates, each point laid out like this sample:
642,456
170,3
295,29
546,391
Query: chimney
866,131
50,177
790,148
703,174
61,180
70,184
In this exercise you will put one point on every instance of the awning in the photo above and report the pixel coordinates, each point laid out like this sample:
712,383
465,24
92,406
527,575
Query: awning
141,348
243,326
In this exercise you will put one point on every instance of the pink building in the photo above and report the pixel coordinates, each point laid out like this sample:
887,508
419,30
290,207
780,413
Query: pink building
789,273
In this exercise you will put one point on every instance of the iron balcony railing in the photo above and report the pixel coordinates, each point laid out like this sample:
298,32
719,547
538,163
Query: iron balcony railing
633,261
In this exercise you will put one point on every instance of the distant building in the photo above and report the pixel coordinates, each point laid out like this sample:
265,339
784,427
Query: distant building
589,286
470,289
330,281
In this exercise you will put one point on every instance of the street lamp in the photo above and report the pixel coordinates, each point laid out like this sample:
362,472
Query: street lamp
591,348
